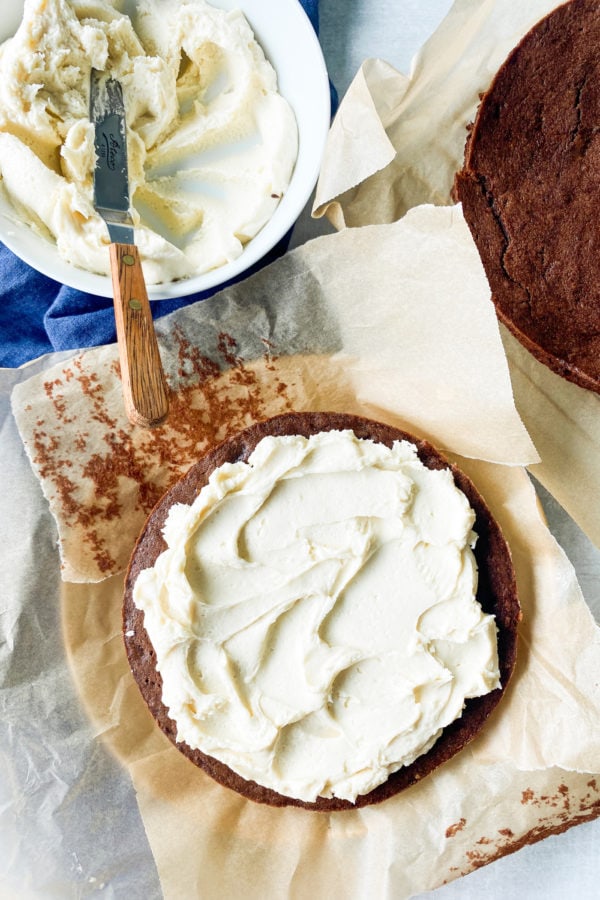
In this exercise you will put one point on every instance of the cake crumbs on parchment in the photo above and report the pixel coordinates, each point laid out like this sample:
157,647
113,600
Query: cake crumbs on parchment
212,399
208,407
588,800
81,440
192,362
49,387
66,490
56,397
477,858
563,790
452,830
93,390
227,345
556,819
490,849
102,556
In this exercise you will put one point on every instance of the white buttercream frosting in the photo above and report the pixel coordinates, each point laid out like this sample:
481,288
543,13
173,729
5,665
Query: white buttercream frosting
211,143
314,616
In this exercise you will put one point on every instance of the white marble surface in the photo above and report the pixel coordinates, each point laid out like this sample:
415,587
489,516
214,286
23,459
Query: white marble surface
565,866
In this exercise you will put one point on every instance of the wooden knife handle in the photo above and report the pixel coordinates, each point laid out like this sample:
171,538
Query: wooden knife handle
145,389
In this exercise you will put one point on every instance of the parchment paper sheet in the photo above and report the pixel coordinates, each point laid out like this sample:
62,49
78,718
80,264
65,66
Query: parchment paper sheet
392,321
398,141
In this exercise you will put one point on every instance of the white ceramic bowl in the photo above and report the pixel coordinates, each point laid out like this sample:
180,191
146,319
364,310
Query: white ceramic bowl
289,42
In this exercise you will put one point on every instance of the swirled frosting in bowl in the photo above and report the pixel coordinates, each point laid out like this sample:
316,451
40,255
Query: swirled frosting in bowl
211,142
314,615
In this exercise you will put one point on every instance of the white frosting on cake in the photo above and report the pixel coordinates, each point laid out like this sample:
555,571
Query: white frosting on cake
314,616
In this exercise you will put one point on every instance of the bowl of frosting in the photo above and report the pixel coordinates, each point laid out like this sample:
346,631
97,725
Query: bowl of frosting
226,124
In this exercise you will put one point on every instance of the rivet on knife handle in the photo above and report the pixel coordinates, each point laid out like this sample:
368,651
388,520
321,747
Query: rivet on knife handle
145,391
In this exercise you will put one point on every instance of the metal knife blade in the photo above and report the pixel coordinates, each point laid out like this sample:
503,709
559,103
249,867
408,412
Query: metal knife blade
144,386
111,179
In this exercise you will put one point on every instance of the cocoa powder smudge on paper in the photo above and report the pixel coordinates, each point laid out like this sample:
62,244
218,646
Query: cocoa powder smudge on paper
561,798
550,822
204,409
452,830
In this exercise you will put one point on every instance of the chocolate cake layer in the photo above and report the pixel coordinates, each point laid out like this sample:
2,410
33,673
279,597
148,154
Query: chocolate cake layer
530,191
496,593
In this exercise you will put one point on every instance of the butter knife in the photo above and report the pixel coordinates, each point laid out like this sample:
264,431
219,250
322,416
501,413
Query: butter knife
145,391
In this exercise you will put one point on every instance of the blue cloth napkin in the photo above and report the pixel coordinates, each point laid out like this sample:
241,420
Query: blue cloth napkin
38,315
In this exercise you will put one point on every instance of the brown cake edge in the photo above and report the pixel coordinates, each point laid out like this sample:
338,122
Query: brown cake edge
469,190
484,222
497,594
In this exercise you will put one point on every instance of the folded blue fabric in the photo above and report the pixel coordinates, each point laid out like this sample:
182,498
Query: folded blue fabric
38,315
